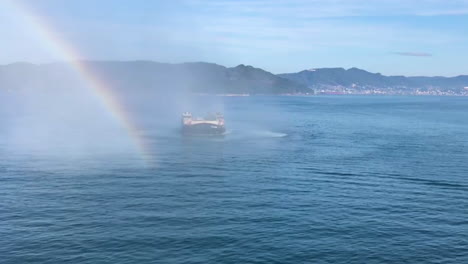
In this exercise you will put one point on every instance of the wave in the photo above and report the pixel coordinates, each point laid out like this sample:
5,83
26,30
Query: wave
268,133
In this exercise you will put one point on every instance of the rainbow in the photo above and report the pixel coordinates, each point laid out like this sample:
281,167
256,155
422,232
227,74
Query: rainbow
70,54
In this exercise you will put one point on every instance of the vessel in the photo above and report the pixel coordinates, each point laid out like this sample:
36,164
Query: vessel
212,124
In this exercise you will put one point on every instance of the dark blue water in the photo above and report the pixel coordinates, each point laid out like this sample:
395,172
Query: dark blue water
295,180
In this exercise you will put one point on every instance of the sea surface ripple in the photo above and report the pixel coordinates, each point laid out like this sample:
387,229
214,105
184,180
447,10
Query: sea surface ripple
342,179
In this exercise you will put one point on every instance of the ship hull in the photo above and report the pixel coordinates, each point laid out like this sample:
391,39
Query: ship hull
203,129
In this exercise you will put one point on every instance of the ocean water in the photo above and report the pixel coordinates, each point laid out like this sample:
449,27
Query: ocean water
339,179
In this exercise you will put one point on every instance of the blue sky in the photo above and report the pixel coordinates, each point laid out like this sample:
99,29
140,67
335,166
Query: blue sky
424,37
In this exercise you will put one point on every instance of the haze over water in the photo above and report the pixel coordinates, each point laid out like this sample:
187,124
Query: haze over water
295,180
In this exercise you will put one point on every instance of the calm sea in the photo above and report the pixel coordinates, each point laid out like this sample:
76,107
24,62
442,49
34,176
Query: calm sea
338,179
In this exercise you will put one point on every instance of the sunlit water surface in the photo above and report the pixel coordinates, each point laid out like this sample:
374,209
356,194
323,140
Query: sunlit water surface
294,180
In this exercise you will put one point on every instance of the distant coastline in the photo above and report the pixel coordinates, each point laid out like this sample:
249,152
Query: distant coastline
214,79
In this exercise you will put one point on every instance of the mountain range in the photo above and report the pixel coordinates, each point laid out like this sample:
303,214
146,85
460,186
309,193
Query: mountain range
358,79
136,76
202,77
